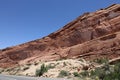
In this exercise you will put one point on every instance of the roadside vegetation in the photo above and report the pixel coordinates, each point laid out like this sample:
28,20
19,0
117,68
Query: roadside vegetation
63,73
42,70
101,60
78,68
105,72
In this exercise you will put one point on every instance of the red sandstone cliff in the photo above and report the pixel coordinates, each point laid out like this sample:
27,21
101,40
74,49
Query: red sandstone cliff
89,36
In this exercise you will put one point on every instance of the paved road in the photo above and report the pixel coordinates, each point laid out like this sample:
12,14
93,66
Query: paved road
9,77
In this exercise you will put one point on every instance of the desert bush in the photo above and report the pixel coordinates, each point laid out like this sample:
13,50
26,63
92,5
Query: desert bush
63,73
42,70
106,73
101,60
98,72
76,74
84,74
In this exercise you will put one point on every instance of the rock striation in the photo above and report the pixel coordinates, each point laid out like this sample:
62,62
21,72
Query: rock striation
92,35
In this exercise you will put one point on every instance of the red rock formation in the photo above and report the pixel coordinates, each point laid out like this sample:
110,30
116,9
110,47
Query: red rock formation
90,35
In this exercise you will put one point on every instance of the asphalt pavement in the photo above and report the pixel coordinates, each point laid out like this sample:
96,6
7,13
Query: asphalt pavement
12,77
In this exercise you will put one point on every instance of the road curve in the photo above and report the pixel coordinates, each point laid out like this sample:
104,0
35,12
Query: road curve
11,77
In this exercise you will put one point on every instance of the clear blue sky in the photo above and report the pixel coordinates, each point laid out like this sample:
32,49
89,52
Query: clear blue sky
25,20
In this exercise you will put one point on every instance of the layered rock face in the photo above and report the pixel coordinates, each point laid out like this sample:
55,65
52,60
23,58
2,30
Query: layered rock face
89,36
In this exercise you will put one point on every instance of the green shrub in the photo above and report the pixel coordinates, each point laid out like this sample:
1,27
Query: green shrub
84,73
63,73
101,60
42,70
98,72
76,74
106,73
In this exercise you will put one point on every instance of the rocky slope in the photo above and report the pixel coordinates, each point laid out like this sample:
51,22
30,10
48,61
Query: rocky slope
89,36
